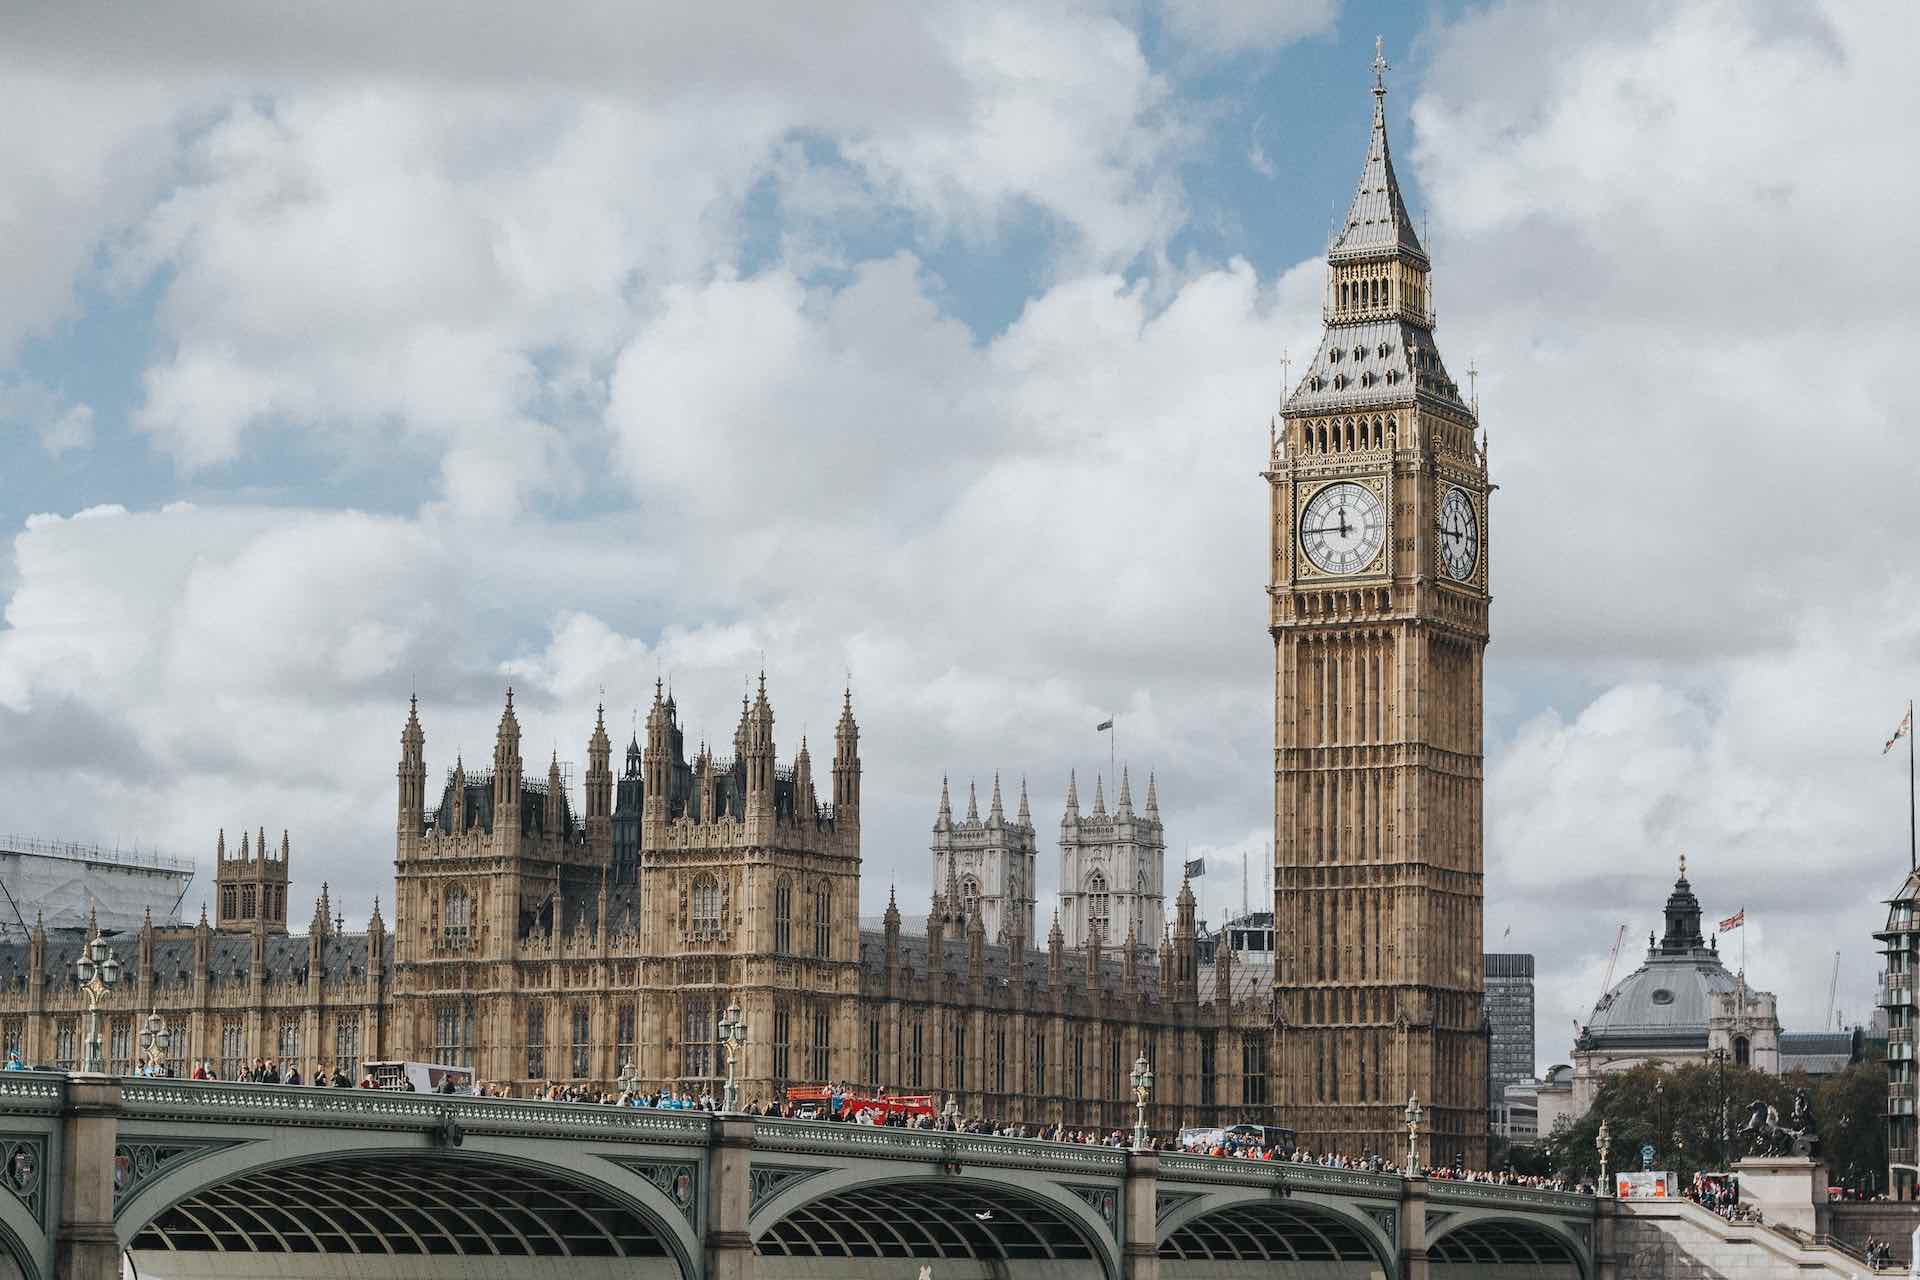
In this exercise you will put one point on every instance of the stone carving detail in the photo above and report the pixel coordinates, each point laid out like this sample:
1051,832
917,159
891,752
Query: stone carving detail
23,1166
768,1181
135,1163
1434,1218
676,1181
1165,1202
1388,1220
1102,1200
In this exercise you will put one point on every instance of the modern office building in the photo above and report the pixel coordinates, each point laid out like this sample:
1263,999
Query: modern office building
1900,944
1510,1017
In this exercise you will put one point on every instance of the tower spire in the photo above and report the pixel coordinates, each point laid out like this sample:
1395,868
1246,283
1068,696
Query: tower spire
973,803
1378,218
1025,816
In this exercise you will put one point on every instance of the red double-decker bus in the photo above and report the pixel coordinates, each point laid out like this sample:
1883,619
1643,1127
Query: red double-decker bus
815,1102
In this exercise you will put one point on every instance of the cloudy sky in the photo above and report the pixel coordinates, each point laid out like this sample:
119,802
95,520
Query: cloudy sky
439,347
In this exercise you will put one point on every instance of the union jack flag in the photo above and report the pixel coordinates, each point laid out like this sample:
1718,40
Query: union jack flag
1906,727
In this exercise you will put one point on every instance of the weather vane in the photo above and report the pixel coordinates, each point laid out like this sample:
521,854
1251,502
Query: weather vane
1380,65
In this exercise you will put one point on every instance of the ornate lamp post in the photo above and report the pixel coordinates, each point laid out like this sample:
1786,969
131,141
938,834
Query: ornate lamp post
1603,1144
733,1034
1414,1116
155,1040
628,1080
1142,1080
98,969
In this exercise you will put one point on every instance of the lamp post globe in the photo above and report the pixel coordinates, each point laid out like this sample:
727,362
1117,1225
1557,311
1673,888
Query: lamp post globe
1142,1080
155,1040
97,970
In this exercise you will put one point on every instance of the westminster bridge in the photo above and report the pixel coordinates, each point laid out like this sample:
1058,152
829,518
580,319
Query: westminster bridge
106,1177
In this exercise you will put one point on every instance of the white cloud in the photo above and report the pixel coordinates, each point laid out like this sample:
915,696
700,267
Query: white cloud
1221,27
60,424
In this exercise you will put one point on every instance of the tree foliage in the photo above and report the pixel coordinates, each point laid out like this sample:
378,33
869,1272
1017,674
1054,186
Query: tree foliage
1692,1116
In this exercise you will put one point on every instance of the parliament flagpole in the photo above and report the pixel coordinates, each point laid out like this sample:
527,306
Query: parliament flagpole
1913,830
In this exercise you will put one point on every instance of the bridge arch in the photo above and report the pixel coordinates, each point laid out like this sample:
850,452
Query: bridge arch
17,1228
998,1218
1505,1247
1329,1235
395,1206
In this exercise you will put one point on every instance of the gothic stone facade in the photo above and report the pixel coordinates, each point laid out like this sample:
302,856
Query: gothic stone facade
1379,619
524,945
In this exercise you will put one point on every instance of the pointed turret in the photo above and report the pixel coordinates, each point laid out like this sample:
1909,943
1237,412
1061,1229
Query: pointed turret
943,820
220,846
973,803
557,819
1056,952
1073,795
657,759
1130,963
805,803
1024,818
412,775
1125,809
846,763
996,815
1099,796
1153,800
600,785
507,771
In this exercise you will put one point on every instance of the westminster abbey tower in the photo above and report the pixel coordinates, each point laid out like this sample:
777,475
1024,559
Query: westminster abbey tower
1379,619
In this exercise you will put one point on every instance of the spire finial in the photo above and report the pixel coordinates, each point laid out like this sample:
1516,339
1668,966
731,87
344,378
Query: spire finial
1683,866
1380,65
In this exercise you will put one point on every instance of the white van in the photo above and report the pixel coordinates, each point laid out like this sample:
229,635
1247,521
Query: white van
421,1077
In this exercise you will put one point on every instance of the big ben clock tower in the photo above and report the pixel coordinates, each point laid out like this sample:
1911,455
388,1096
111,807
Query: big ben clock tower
1379,620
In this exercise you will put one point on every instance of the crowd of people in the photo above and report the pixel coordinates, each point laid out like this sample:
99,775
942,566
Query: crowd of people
1721,1194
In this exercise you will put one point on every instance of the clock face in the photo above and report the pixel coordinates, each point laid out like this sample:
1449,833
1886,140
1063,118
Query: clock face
1459,534
1343,527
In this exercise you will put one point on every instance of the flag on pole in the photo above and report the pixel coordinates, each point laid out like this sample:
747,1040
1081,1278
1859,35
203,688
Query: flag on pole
1734,921
1103,726
1196,867
1905,728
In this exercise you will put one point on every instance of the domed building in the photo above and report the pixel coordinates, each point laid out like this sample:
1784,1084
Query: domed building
1679,1006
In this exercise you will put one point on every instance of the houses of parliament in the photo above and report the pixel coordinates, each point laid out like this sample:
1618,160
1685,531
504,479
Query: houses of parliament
535,940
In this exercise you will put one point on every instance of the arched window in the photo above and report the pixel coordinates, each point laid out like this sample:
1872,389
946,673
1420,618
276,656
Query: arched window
823,920
706,905
783,915
1741,1051
456,915
969,895
1096,907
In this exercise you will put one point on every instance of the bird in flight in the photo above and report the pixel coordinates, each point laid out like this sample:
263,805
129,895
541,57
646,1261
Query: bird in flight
985,1215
